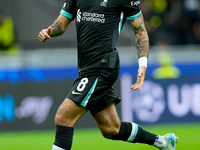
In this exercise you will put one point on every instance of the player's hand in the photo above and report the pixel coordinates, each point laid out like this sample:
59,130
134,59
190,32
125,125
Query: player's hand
45,34
140,78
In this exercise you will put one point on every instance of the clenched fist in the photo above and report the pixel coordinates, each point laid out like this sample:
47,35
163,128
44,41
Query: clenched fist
45,34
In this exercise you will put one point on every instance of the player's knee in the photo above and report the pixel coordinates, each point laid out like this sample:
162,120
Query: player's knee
58,119
61,120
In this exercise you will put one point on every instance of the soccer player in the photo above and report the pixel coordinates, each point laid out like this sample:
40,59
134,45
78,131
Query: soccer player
98,25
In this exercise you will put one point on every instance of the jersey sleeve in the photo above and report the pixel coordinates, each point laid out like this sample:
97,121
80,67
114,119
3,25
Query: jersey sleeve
131,9
69,9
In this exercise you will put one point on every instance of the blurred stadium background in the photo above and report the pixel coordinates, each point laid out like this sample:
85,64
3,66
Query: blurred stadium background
35,77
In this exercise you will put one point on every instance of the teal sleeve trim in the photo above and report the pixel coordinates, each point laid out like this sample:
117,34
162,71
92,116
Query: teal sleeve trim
134,16
66,14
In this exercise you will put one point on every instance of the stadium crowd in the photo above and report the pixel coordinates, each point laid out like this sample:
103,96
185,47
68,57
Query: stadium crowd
174,22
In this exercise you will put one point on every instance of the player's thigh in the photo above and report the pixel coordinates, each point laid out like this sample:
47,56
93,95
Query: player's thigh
68,113
108,120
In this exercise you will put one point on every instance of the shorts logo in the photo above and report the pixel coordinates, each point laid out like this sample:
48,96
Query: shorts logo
104,3
135,3
75,93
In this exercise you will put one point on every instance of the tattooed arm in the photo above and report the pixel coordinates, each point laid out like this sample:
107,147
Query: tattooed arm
142,45
59,26
142,40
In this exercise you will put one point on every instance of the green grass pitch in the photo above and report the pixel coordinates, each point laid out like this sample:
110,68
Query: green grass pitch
91,139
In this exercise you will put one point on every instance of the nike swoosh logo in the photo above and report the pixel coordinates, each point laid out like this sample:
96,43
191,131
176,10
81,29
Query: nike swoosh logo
76,93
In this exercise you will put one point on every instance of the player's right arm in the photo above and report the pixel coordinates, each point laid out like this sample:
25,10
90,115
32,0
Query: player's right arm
142,44
59,27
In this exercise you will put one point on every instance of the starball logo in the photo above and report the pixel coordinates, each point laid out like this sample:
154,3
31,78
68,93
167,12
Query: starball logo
87,16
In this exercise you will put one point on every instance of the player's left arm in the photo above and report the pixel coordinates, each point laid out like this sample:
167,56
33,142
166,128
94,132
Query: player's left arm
59,26
142,45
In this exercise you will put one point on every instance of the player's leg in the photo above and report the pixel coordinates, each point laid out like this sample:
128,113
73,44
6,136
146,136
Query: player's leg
67,115
108,121
111,128
77,103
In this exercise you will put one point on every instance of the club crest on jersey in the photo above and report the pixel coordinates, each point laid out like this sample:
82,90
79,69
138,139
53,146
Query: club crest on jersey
104,3
133,3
